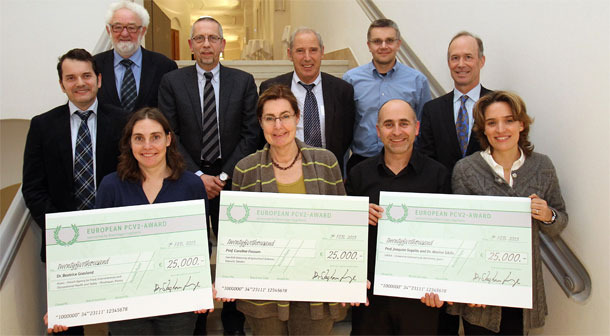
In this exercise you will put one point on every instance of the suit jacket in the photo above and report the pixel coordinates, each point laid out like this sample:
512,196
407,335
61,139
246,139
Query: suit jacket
154,66
339,111
438,137
48,163
238,125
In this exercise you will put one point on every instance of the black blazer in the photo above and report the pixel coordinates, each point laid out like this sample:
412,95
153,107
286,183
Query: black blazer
239,128
154,66
339,111
438,137
48,164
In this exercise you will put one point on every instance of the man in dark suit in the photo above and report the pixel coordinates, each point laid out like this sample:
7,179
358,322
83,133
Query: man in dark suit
212,110
446,127
334,97
131,73
50,167
441,120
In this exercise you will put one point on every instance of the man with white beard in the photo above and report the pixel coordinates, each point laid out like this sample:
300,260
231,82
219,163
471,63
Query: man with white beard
131,73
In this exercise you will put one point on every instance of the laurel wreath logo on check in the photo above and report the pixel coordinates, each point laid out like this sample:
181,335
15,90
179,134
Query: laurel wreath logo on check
62,242
234,219
405,213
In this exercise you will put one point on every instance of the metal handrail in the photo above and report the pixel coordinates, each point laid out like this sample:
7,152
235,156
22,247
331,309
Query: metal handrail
405,54
567,270
12,231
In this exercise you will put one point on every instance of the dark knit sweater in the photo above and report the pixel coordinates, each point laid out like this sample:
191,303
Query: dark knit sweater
473,176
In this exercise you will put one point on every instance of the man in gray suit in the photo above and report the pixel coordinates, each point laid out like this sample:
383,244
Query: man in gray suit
212,110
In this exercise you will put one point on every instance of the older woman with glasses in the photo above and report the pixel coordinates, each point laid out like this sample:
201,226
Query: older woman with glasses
287,165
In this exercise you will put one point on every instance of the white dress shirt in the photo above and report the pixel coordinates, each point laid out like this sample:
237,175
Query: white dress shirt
300,92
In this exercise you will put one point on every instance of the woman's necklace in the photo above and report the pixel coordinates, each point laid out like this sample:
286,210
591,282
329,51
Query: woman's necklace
276,165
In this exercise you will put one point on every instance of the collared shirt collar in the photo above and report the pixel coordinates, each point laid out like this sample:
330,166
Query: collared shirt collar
473,94
415,163
372,68
73,107
136,58
200,72
497,168
296,80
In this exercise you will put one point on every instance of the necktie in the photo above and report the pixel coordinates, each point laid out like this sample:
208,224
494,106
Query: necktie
210,150
128,87
461,125
311,118
84,185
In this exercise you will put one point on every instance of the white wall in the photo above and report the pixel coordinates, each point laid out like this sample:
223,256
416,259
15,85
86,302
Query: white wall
23,298
556,55
341,23
33,34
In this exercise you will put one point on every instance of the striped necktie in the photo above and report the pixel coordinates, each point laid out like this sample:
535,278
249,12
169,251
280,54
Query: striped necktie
210,150
84,184
311,118
128,87
461,125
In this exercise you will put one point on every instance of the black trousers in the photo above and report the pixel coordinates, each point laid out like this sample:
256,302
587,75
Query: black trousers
394,316
232,319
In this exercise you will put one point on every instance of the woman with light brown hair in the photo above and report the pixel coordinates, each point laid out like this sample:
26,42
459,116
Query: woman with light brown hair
508,166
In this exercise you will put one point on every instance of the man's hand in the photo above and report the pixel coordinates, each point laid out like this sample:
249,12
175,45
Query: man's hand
375,213
213,185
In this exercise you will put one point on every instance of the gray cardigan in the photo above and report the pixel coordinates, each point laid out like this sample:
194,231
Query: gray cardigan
473,176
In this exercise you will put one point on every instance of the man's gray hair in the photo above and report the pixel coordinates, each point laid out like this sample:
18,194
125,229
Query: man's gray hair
140,11
383,23
207,18
465,33
305,30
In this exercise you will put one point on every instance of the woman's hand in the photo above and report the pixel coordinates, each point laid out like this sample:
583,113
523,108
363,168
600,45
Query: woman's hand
56,328
540,210
375,213
357,304
432,300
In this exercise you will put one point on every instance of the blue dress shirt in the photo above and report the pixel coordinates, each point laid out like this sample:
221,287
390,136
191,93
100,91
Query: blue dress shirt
372,90
136,68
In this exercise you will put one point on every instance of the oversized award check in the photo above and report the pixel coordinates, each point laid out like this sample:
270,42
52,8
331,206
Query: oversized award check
128,262
292,247
472,249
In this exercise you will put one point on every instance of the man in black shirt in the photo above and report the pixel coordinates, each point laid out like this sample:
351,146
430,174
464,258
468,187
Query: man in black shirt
397,168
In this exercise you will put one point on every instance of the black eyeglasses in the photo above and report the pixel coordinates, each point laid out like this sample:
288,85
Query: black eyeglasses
388,41
118,28
210,38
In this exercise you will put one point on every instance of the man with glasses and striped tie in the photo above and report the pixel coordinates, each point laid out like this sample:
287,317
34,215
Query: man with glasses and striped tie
212,110
70,148
131,73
